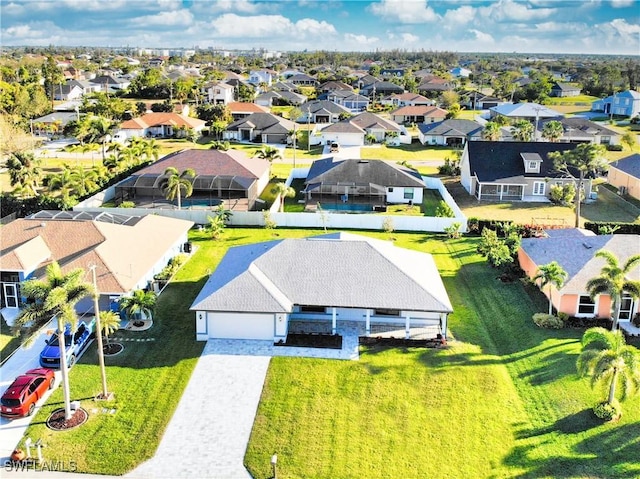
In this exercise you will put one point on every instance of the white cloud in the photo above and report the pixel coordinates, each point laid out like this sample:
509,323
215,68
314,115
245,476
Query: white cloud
459,16
93,5
360,40
510,10
621,3
623,28
309,26
482,37
165,5
243,6
180,17
409,37
269,26
404,11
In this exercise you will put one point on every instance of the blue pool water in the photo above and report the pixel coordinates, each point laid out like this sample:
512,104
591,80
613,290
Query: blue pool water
345,207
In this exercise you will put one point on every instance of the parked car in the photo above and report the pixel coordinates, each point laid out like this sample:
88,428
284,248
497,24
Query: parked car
334,147
75,344
20,398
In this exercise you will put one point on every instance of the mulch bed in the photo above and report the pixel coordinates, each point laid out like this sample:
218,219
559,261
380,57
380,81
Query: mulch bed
400,343
112,349
57,421
327,341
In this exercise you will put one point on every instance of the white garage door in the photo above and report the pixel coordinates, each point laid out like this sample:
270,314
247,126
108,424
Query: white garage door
241,326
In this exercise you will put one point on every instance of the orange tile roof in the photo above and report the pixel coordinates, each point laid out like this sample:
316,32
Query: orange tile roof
161,118
246,107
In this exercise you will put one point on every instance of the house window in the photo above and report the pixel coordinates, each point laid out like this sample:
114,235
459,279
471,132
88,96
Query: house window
586,306
390,190
408,193
605,140
626,307
538,188
386,312
312,309
533,165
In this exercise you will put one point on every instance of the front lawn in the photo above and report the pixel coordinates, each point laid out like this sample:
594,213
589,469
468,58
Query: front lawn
408,153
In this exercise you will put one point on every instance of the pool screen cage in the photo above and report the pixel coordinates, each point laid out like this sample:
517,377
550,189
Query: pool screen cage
346,192
150,187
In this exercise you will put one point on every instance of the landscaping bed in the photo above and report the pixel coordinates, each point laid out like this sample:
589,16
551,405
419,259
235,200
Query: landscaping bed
312,340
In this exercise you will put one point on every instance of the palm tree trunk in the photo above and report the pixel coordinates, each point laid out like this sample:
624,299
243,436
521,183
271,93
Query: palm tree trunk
612,387
550,306
616,312
578,190
64,371
178,196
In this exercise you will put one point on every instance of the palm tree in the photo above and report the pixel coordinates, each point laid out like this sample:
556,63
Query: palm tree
284,191
552,131
140,305
24,172
109,323
491,131
551,274
613,281
585,158
62,182
84,181
269,153
522,130
151,149
177,182
54,296
607,358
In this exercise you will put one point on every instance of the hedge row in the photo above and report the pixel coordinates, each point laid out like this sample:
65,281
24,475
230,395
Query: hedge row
612,226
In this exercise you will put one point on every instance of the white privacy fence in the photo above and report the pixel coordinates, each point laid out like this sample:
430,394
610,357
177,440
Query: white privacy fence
319,219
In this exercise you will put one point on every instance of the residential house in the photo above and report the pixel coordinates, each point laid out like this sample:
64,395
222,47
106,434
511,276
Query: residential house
624,174
512,170
53,123
626,103
333,85
302,79
159,125
67,92
524,111
407,99
222,177
219,93
562,90
322,111
261,128
279,98
577,129
364,79
110,84
126,250
260,77
475,100
264,291
434,86
418,114
355,130
451,132
380,89
574,250
244,109
372,183
460,72
354,102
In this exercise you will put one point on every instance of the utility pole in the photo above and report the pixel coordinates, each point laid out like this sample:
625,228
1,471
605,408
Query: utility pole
308,129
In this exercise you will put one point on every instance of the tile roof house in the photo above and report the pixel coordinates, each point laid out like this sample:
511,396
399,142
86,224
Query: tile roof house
575,251
624,174
228,177
242,109
259,291
452,132
365,182
512,170
407,99
418,114
127,251
260,127
159,125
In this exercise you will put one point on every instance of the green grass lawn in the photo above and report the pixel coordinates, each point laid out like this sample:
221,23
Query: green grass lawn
409,153
502,401
8,342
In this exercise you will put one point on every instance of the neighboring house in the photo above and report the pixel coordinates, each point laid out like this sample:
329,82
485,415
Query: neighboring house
302,79
261,128
219,93
624,174
67,92
406,99
279,98
581,130
228,177
334,85
626,103
562,90
262,291
126,250
110,84
380,128
574,250
450,132
418,114
354,102
160,125
343,133
434,85
258,77
524,111
322,111
285,86
512,170
363,182
53,123
379,89
244,109
460,72
365,79
475,100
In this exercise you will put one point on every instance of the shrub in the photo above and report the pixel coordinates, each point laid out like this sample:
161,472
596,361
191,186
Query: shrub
548,321
127,204
387,225
564,317
451,167
453,231
606,411
444,210
172,267
621,228
614,147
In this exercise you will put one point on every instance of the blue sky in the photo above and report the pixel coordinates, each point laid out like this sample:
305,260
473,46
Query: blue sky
524,26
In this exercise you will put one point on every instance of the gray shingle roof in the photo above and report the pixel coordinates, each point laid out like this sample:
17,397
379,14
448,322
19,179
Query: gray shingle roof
363,172
629,165
334,270
451,128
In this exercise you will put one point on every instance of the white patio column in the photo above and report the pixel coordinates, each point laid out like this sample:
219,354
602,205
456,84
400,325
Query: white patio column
407,322
367,322
333,320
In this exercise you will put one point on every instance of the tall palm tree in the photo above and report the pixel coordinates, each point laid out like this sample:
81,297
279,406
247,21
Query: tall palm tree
586,158
24,172
284,191
608,359
151,149
140,305
613,281
54,296
522,130
552,131
551,274
62,182
84,180
177,183
491,131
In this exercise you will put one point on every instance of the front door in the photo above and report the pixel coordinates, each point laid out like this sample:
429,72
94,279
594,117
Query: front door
10,295
538,188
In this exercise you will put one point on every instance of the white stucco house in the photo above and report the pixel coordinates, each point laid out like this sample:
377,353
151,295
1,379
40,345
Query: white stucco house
259,290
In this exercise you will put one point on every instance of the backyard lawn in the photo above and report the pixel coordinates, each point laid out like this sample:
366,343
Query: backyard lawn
502,401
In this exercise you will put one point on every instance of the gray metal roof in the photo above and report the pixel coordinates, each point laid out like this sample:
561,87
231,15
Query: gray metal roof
342,270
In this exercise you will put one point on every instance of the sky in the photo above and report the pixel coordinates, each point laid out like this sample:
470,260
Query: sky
523,26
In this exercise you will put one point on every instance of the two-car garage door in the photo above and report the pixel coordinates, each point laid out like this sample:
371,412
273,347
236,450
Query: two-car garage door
240,326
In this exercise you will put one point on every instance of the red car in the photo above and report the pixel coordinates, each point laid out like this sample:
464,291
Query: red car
20,398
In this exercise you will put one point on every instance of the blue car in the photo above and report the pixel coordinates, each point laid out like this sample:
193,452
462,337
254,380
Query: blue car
75,344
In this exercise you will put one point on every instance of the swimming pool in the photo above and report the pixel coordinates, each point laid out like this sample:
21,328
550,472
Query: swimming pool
344,207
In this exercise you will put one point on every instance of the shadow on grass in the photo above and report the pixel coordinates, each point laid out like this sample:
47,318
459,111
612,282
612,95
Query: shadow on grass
612,453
